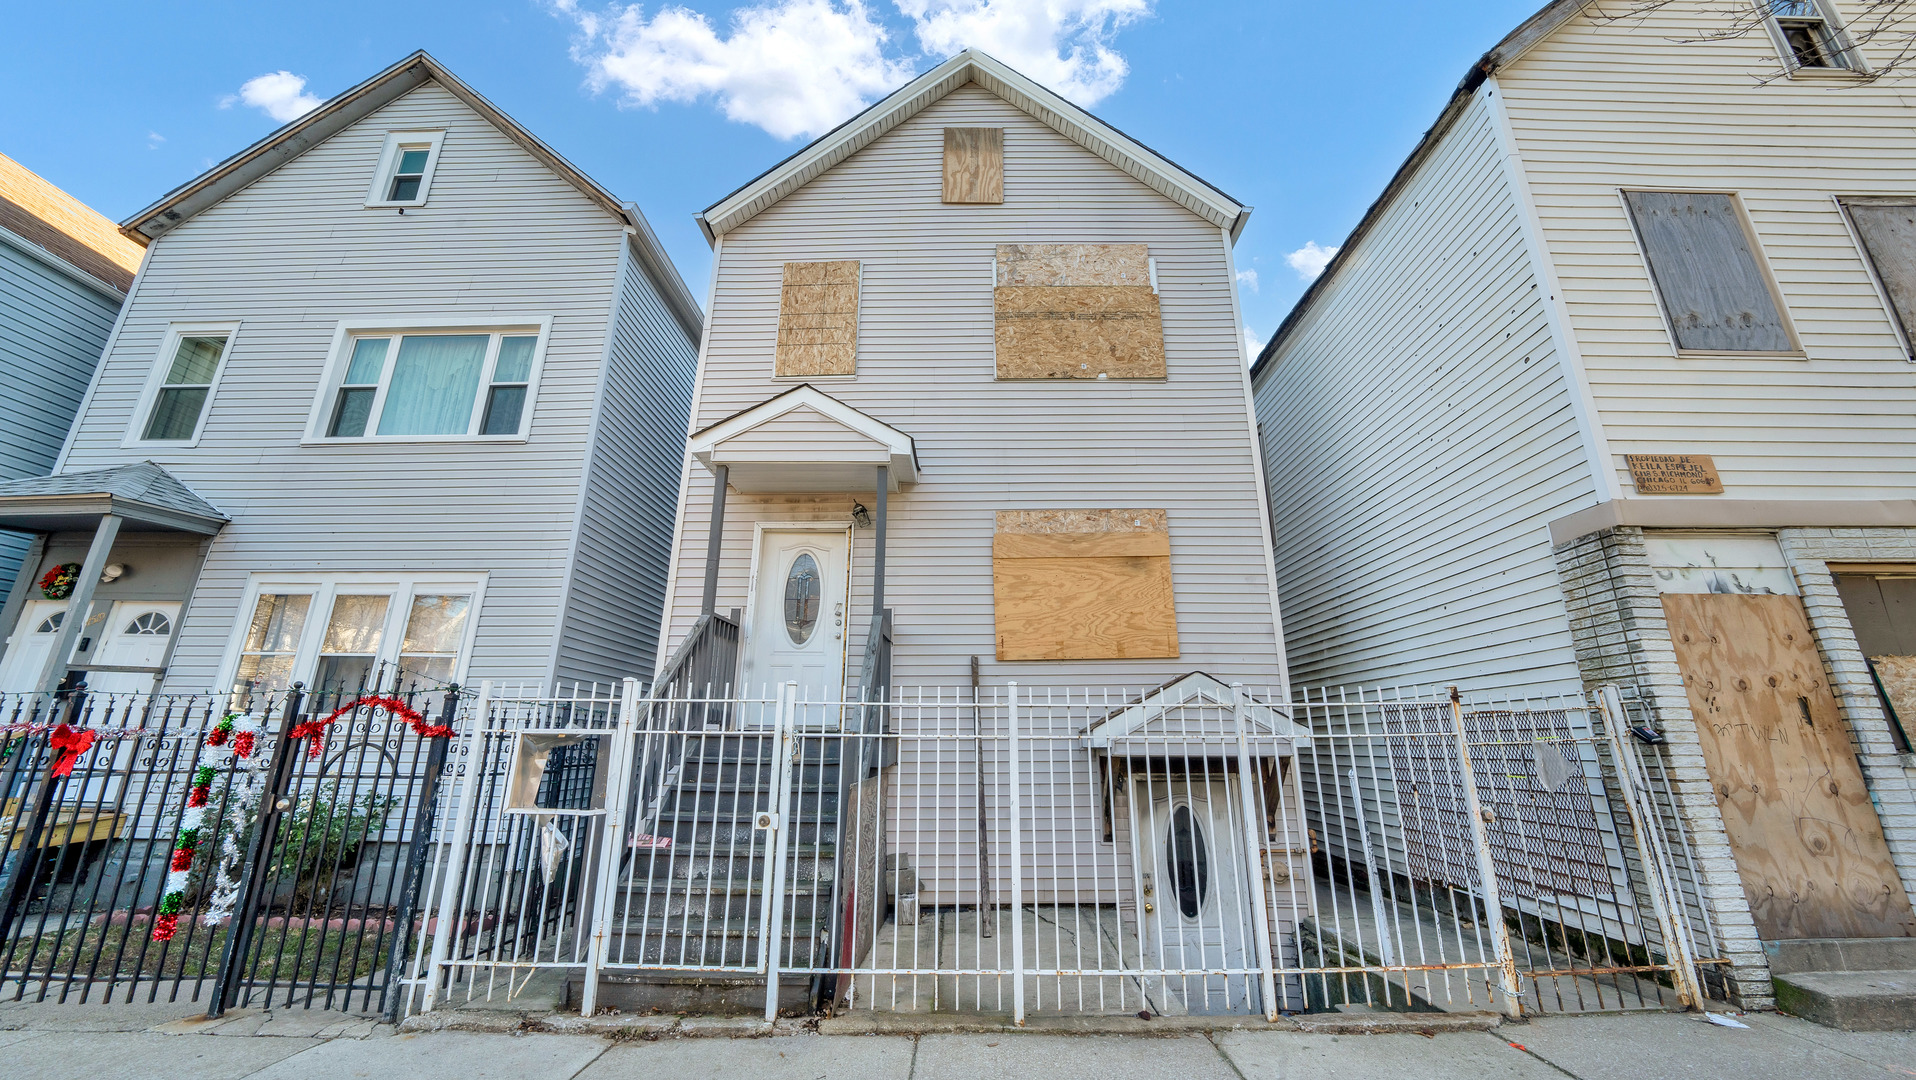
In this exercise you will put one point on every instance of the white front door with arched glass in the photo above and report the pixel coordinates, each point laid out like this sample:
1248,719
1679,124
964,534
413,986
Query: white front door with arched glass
795,625
31,642
1196,904
135,636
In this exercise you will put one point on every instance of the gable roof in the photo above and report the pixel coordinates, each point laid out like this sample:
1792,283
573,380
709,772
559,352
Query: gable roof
65,227
1194,715
349,107
143,493
1145,164
784,466
1514,44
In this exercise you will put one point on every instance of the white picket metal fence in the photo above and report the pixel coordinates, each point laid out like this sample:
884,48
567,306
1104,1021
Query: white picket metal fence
1198,848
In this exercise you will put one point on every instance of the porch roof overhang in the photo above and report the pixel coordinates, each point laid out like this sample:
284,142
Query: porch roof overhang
1194,715
805,441
144,496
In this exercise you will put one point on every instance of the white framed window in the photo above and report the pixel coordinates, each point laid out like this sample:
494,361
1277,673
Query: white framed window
430,382
1712,283
1809,38
406,164
343,635
180,386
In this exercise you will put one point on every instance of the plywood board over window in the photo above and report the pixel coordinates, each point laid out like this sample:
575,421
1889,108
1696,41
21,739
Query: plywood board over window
974,165
818,319
1083,585
1077,311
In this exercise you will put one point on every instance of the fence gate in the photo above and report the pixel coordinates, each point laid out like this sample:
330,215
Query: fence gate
1198,848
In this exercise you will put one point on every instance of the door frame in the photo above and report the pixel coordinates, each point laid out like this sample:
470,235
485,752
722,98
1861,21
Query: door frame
759,529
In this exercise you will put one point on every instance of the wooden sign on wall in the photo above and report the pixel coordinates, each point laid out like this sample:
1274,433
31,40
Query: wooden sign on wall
1674,474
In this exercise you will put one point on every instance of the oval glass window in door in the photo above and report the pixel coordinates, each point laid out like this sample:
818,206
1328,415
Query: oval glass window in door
1189,861
801,598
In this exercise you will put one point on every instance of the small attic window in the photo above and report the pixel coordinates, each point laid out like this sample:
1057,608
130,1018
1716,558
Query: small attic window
1808,38
406,165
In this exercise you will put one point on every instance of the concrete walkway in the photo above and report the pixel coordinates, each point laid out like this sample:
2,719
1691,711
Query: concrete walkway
171,1042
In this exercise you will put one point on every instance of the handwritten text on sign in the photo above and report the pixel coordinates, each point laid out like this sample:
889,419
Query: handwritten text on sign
1674,474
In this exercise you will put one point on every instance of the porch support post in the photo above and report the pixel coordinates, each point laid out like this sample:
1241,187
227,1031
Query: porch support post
710,601
17,599
77,604
878,547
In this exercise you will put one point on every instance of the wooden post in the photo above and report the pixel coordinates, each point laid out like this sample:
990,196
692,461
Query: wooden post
878,547
55,668
714,540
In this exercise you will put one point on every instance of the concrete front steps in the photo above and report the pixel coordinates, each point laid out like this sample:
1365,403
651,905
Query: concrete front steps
1855,984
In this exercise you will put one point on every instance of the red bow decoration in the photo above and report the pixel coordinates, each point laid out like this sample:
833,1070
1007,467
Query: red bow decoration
69,743
316,729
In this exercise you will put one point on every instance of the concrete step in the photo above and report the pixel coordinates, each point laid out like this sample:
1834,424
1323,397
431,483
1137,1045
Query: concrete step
1851,1000
1841,954
707,995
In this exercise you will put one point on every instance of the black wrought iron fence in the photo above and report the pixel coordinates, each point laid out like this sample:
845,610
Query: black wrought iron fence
264,850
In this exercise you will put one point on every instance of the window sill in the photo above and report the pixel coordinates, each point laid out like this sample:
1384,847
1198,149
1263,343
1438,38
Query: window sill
413,440
393,205
1699,354
159,444
1838,74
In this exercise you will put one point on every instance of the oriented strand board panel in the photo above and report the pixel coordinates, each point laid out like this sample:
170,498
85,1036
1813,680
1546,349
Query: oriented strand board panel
1888,230
1809,846
1078,332
974,165
1074,264
1083,585
43,214
818,319
1898,676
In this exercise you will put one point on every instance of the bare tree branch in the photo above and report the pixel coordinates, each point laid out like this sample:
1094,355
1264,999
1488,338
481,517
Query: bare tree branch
1876,37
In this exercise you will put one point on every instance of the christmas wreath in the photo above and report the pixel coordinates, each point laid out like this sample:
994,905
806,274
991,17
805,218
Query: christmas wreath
57,583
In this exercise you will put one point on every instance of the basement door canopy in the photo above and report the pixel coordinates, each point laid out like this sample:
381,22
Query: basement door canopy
1195,715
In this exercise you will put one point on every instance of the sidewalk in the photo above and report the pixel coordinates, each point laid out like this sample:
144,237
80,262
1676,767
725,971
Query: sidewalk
173,1042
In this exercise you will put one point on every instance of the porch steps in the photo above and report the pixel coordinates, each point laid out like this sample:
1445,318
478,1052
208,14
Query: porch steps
1855,984
700,902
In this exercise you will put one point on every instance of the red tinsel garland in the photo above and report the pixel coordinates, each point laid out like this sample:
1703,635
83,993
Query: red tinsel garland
69,743
316,729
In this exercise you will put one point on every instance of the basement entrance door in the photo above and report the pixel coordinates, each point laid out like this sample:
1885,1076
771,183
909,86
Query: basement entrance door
1809,846
795,630
1197,911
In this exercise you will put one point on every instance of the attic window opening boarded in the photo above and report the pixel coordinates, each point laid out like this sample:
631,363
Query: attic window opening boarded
1887,229
974,165
1077,311
818,320
1704,265
1083,585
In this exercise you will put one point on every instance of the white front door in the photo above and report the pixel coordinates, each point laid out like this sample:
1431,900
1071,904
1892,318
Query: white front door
1197,906
136,635
30,644
795,631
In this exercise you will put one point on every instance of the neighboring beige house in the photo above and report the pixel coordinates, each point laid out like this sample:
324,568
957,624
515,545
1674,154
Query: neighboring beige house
1614,384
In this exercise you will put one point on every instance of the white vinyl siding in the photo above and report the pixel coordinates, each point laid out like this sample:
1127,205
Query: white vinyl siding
925,366
1642,104
1419,434
296,254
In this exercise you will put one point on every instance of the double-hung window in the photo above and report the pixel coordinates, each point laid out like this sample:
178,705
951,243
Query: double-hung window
431,384
1808,37
406,165
180,385
348,635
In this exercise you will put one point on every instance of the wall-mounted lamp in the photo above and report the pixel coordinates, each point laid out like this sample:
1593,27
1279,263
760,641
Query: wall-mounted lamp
861,517
112,572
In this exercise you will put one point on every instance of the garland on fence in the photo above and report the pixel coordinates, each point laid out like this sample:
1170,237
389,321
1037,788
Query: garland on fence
233,740
316,729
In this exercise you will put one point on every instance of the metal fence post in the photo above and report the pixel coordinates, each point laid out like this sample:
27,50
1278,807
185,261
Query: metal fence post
783,722
272,804
28,869
1016,851
1665,897
1486,866
1254,839
416,856
450,882
617,786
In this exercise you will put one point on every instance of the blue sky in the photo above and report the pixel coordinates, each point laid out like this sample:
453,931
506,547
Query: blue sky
1301,110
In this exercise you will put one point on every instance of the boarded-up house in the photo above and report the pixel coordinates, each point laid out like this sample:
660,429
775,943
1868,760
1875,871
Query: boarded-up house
397,400
1614,384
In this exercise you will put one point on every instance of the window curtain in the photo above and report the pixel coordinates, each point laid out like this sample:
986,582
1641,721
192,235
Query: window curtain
434,381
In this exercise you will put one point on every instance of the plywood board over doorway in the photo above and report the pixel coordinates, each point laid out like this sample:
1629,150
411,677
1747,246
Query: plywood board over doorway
1808,844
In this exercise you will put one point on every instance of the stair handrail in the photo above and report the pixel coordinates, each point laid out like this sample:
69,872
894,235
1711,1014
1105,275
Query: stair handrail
706,660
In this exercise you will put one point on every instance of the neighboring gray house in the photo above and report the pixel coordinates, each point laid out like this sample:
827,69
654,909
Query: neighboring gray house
398,393
1613,384
64,272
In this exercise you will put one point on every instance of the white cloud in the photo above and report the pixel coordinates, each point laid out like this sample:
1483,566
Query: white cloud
154,139
1247,277
1064,44
792,67
279,94
1252,343
1310,260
